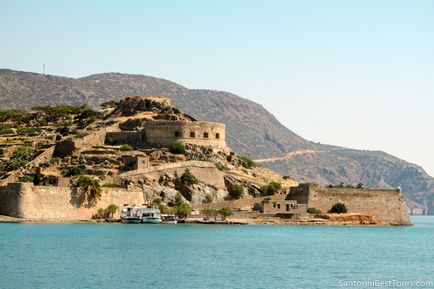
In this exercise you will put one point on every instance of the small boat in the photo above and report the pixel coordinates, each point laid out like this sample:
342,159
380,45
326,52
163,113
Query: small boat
131,214
150,214
168,219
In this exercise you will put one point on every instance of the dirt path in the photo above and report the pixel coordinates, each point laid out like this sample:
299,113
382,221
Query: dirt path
288,156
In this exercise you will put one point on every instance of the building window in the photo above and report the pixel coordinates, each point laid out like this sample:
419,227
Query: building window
217,135
192,134
177,134
278,206
287,207
205,135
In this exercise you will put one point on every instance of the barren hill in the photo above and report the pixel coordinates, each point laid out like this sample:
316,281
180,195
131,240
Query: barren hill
251,130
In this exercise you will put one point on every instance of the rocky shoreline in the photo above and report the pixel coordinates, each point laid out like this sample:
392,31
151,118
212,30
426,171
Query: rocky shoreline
229,221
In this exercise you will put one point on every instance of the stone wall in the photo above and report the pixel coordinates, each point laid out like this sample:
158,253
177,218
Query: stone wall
200,133
205,172
387,205
167,132
24,200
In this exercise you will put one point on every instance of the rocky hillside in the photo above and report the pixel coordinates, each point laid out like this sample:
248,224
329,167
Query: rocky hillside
251,130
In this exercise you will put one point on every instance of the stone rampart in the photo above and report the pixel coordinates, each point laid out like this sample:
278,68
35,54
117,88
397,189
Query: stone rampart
24,200
387,205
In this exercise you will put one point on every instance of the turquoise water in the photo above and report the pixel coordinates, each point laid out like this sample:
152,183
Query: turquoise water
214,256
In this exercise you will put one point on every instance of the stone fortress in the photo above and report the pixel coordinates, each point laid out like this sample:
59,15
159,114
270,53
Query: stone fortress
150,125
168,127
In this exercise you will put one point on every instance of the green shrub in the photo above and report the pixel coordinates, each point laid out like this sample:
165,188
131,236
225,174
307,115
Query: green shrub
5,129
28,130
236,191
270,189
55,113
64,130
15,115
313,211
20,158
156,201
178,199
191,156
339,208
126,148
74,171
90,187
209,198
221,167
177,148
86,113
225,212
81,134
188,178
209,212
26,179
182,210
247,162
111,185
111,210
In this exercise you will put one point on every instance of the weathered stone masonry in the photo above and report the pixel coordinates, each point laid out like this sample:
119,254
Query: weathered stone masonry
164,133
387,205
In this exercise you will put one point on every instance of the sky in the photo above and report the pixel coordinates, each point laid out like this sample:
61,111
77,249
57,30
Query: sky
358,74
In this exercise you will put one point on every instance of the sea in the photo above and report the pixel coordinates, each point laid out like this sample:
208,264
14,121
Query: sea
216,256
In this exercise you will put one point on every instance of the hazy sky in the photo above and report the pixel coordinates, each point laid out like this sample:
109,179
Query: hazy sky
352,73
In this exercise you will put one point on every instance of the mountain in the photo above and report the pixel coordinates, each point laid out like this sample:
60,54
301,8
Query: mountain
251,130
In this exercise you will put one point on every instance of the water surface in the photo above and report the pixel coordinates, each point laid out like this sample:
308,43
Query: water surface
211,256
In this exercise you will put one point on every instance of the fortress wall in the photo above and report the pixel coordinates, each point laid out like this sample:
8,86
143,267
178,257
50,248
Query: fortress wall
205,172
123,137
387,205
27,201
167,132
9,199
205,133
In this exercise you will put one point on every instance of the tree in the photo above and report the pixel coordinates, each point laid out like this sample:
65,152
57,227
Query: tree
225,212
236,191
270,189
209,212
90,187
111,210
339,208
182,210
188,178
178,199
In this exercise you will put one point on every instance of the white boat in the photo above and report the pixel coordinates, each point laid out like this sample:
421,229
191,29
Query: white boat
150,215
131,214
168,219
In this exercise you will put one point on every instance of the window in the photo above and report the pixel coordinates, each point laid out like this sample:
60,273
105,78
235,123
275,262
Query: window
217,135
192,134
205,135
287,207
177,134
278,206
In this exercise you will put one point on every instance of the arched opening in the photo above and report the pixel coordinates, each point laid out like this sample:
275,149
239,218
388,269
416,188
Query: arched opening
217,135
192,134
205,135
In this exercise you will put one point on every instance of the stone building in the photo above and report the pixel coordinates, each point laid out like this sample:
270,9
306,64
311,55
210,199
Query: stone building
288,209
166,126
